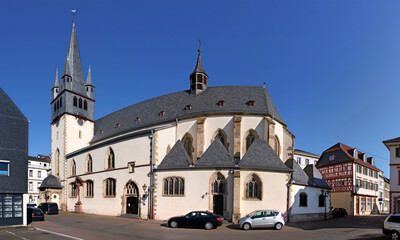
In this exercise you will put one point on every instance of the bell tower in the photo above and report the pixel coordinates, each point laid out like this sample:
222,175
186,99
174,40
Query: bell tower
72,112
198,78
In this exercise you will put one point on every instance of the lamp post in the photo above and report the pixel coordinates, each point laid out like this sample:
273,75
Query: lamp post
324,193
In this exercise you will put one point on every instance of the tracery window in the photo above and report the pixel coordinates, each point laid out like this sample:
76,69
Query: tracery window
110,159
73,190
253,187
250,138
73,168
303,199
218,186
109,187
188,145
174,186
89,188
221,135
89,164
131,189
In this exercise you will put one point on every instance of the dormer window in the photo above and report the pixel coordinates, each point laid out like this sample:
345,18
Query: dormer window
332,157
364,157
101,131
355,154
137,119
251,103
162,113
117,125
221,103
188,107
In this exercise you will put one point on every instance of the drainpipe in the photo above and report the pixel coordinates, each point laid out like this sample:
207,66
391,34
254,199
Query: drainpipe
150,204
289,184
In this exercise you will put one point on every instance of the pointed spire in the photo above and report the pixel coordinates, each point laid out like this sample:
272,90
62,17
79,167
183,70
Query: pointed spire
198,78
89,81
199,66
73,66
56,82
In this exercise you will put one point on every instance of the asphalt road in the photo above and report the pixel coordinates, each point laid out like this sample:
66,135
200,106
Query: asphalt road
88,227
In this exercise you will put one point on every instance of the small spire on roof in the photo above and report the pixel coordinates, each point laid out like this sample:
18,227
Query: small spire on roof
56,82
89,81
73,13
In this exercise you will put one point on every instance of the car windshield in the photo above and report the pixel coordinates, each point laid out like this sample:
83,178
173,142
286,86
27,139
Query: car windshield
251,214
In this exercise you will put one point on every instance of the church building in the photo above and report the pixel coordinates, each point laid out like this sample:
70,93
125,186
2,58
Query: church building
220,149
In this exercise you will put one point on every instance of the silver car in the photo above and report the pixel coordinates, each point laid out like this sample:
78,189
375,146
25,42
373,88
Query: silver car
262,219
391,226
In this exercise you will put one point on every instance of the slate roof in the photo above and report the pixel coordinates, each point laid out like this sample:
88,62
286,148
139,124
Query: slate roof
260,155
73,66
343,153
8,107
50,181
176,158
199,66
310,176
236,100
216,155
301,152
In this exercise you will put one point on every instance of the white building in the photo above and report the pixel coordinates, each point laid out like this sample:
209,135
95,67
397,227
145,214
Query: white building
220,149
38,168
309,194
304,158
393,145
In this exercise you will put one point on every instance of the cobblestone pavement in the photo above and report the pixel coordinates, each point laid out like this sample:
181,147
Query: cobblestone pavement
87,226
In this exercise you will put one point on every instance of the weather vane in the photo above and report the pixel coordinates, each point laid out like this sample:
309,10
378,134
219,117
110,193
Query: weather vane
199,45
73,12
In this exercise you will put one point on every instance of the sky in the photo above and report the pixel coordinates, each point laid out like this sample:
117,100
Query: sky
331,67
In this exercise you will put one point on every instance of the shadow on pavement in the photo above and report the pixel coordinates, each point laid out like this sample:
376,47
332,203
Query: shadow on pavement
363,222
371,237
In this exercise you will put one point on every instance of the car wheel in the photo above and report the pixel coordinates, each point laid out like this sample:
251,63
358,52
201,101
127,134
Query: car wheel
394,235
278,226
209,226
173,224
246,226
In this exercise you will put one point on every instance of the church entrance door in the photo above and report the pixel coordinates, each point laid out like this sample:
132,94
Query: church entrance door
132,205
218,206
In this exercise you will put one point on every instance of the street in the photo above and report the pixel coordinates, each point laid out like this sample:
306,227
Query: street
87,226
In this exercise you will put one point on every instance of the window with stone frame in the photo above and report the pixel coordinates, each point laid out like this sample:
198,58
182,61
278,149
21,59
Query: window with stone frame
221,135
321,200
303,199
89,188
253,187
219,184
110,159
109,187
250,138
187,142
73,168
131,189
277,145
174,186
89,164
73,192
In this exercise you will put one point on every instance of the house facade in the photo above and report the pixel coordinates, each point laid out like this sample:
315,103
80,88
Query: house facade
393,145
220,149
38,168
13,167
353,178
304,158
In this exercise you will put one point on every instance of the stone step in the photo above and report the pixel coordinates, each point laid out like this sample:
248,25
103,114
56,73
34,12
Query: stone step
135,216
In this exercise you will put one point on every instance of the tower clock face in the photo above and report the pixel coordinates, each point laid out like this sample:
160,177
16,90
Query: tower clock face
80,122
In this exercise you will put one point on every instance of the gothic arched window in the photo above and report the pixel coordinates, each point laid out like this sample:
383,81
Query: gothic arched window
253,187
250,138
187,142
85,105
109,187
131,189
89,188
277,145
75,101
303,199
89,164
73,168
218,186
174,186
221,135
80,102
110,159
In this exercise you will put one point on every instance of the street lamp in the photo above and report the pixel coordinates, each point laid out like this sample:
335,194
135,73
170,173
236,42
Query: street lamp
324,193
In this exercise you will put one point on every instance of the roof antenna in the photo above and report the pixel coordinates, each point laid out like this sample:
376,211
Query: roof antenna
73,13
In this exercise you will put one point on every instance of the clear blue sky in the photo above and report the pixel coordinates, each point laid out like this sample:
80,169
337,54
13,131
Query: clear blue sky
331,67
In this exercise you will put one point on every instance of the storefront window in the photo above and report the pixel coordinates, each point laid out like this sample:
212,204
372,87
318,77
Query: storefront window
368,204
362,204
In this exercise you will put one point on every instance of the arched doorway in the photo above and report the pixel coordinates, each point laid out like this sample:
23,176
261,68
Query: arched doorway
218,187
131,198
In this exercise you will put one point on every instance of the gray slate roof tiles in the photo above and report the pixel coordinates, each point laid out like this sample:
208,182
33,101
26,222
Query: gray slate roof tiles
174,104
50,181
216,155
176,158
261,155
8,107
310,176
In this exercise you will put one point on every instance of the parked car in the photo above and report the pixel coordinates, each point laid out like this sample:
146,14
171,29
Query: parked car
391,226
339,212
49,208
35,214
199,219
31,205
262,219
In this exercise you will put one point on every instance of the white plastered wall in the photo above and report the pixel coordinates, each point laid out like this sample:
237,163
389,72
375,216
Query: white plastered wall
250,122
312,200
212,124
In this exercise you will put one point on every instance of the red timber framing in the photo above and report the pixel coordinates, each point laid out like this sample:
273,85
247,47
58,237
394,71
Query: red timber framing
339,176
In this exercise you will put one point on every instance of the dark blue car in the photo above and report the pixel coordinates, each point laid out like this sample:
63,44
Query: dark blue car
198,219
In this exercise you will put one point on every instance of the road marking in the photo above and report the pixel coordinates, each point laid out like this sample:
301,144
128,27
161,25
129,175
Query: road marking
16,235
59,234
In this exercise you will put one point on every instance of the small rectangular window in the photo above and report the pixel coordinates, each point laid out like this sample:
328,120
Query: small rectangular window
4,168
397,152
30,173
131,167
162,113
30,186
39,174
